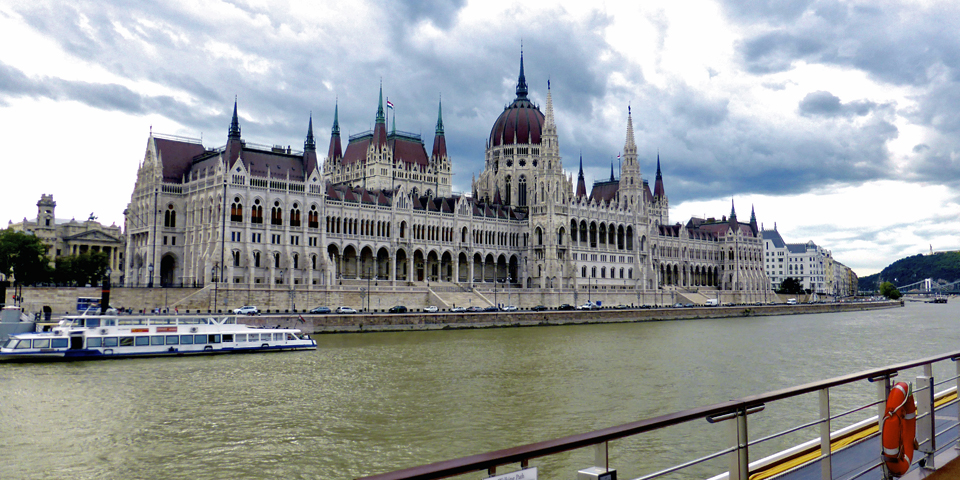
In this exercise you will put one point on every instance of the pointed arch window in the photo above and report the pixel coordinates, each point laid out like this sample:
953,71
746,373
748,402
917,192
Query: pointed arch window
522,191
256,212
276,214
170,217
295,215
236,210
313,217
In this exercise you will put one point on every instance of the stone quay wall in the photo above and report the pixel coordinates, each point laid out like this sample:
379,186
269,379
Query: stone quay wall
358,323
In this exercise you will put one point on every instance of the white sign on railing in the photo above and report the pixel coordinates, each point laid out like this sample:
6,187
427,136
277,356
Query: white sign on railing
525,474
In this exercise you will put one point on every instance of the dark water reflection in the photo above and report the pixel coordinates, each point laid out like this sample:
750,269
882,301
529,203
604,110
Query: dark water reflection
369,403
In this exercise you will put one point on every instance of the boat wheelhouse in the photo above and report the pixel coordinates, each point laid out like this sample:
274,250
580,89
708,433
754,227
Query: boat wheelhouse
98,337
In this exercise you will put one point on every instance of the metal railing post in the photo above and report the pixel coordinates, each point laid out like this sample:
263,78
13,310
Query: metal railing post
826,468
739,458
600,457
883,391
926,425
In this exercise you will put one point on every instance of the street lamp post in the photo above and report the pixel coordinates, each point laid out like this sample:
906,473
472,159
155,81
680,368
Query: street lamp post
105,292
150,274
216,285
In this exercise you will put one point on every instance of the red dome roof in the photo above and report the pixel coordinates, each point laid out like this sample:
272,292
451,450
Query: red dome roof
521,122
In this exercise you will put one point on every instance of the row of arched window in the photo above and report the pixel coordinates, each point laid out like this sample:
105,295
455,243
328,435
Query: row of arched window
276,214
275,258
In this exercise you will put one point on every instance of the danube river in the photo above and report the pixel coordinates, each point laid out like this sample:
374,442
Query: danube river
369,403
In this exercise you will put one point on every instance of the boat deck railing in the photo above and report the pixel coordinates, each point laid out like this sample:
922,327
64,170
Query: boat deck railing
734,414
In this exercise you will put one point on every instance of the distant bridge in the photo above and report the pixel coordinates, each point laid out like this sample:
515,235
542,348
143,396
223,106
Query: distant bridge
927,285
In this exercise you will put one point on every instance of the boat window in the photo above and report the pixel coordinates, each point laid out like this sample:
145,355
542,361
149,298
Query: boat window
186,339
10,343
109,322
94,342
230,321
41,343
160,321
76,322
90,322
131,321
156,340
143,341
58,343
200,339
227,338
173,339
215,338
110,341
192,321
23,344
126,341
241,337
278,337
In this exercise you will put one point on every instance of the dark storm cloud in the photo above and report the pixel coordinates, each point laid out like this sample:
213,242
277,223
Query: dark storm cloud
825,104
441,13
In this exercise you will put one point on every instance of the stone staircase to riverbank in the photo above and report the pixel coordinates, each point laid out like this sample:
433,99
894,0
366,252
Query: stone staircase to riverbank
695,298
459,298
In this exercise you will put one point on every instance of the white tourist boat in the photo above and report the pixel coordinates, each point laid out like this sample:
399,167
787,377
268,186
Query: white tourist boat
110,336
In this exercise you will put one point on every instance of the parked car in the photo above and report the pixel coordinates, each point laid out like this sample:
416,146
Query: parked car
622,307
474,308
491,308
566,306
458,309
320,310
510,308
345,310
397,309
588,306
247,310
539,308
792,301
431,309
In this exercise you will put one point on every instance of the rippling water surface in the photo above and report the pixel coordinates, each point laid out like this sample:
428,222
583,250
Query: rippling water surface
369,403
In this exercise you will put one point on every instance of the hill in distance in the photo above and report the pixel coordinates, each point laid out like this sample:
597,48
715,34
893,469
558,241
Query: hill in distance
942,267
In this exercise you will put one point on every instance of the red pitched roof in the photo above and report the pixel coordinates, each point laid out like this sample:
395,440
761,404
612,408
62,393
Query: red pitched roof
177,156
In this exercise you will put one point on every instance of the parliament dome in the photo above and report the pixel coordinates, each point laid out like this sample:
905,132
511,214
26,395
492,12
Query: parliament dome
521,122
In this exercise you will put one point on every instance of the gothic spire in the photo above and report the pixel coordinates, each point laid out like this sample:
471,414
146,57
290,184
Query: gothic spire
658,190
380,116
336,119
310,144
440,118
522,81
612,178
733,212
234,122
581,182
548,118
630,138
335,152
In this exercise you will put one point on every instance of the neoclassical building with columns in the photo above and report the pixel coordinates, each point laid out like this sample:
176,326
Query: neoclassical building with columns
382,213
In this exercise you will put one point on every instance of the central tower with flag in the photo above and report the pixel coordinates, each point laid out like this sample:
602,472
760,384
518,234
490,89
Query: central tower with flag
385,160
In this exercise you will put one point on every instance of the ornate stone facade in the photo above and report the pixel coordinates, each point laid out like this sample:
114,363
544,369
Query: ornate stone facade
70,237
383,210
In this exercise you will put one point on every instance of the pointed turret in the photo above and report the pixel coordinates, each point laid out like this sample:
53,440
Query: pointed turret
753,220
522,81
234,143
548,120
658,185
309,150
496,198
612,178
335,152
733,212
234,123
439,142
380,130
581,182
630,179
310,145
631,144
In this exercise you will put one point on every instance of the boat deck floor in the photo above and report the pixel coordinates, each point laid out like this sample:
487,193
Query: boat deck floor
851,462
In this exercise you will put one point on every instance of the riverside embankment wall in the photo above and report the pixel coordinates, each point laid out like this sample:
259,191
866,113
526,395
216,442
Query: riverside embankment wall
448,321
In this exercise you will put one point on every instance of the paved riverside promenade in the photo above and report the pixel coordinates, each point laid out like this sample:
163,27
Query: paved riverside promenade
382,322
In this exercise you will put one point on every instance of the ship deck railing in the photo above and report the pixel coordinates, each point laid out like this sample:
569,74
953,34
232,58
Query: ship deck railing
853,452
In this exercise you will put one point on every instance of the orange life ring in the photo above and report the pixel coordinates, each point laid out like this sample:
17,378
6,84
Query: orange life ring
899,429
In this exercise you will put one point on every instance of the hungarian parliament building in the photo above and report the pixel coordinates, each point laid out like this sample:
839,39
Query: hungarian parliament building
382,209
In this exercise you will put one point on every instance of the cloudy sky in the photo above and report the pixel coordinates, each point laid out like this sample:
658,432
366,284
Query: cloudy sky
838,121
